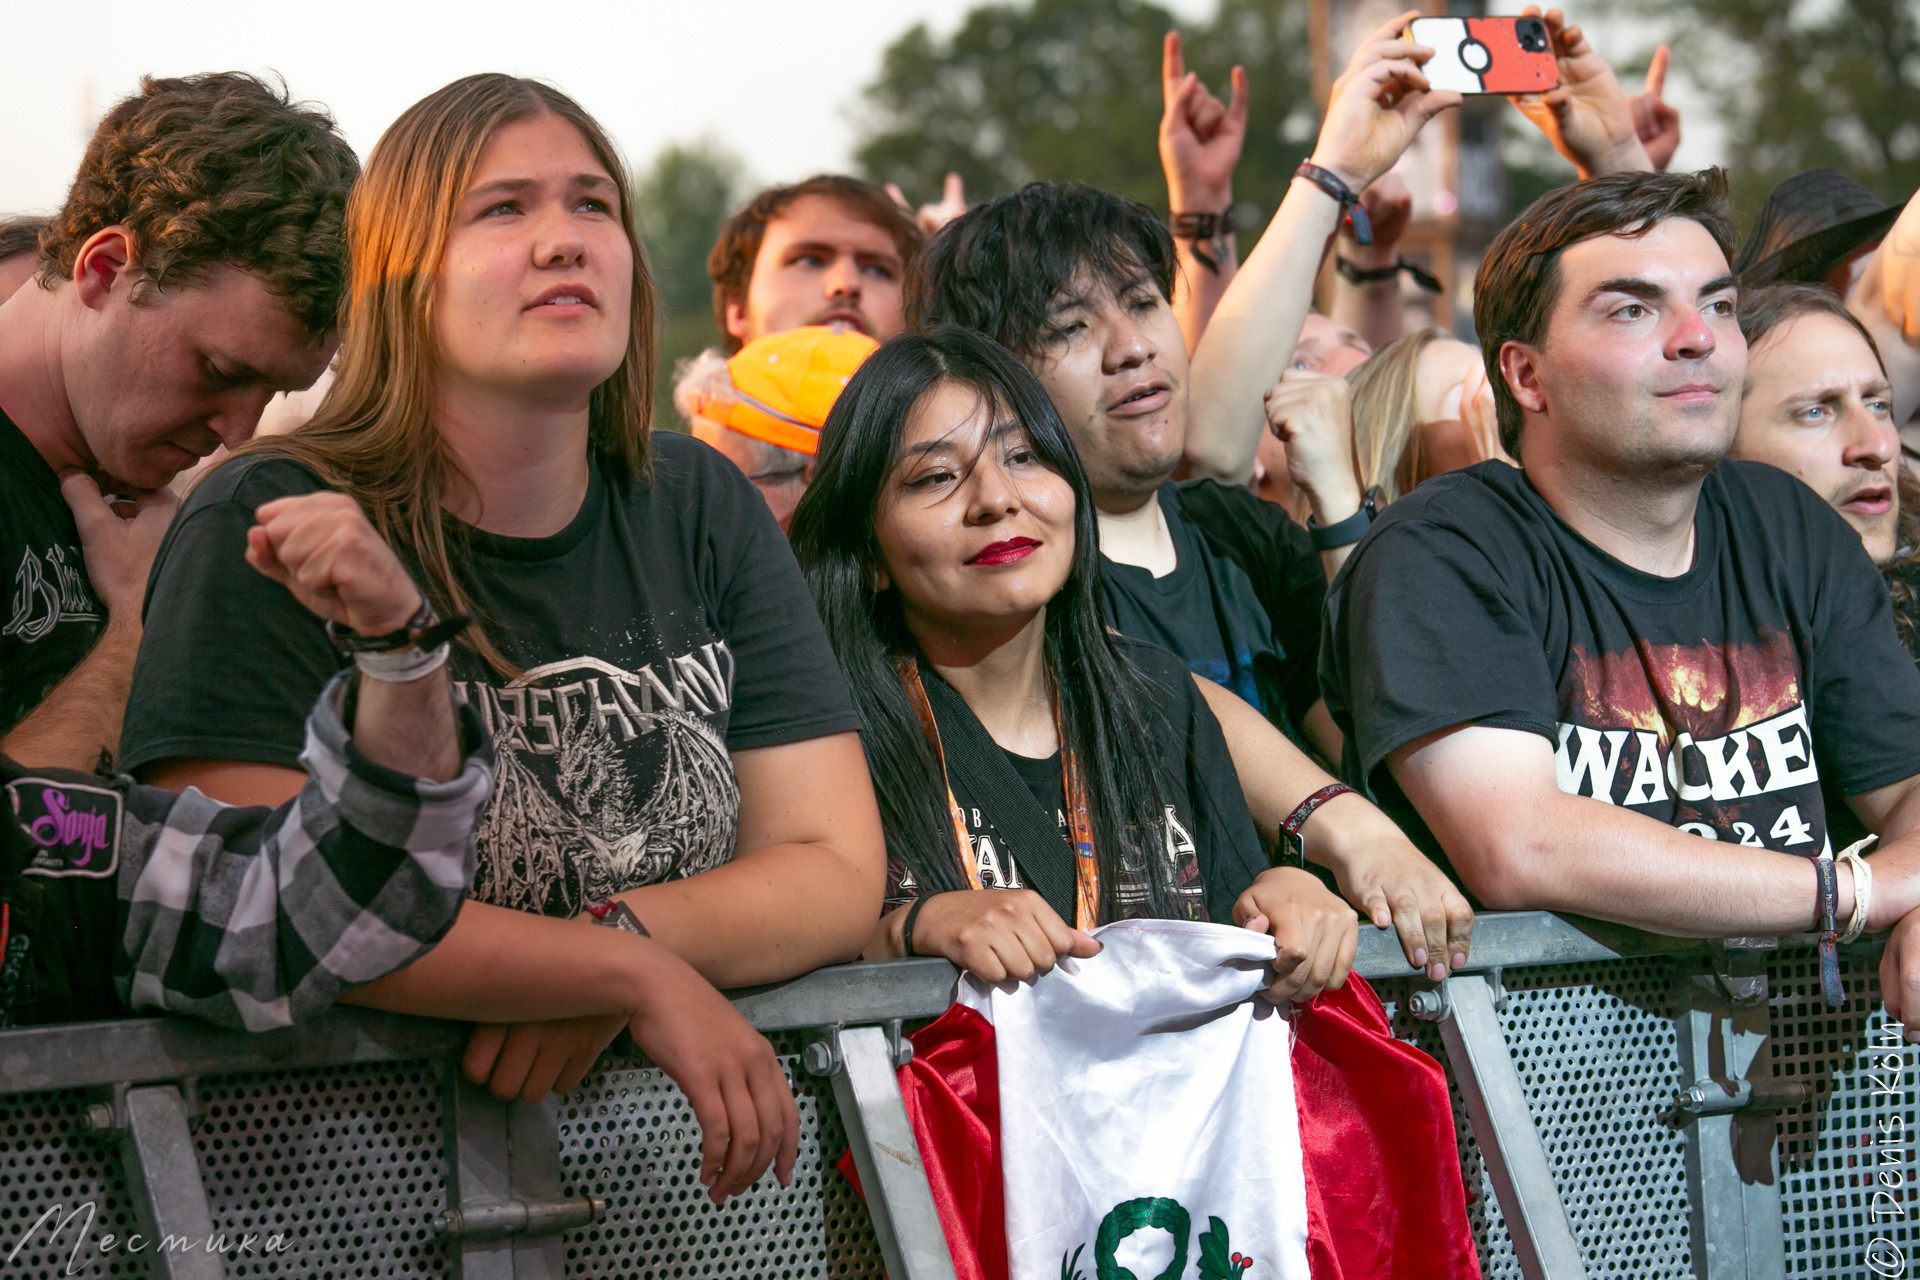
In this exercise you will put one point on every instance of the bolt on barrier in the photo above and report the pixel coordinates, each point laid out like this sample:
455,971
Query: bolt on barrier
1627,1106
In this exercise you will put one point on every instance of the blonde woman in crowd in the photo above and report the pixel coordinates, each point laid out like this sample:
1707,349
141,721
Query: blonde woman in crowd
1421,407
677,751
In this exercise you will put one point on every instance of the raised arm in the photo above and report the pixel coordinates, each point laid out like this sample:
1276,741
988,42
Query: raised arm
1200,142
1589,118
1370,306
1376,108
259,919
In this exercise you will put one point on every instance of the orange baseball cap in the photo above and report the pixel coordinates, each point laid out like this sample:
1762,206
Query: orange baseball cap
785,384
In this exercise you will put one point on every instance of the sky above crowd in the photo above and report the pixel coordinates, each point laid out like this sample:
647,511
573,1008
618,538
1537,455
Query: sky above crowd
776,82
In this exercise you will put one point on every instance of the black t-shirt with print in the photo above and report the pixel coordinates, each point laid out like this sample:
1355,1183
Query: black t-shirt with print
1209,834
1243,603
664,627
52,617
1718,701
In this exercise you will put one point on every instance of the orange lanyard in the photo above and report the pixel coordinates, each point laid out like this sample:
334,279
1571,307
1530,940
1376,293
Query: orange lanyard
1073,786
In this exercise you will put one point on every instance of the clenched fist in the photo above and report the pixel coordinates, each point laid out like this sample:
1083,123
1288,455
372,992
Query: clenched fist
1312,413
321,547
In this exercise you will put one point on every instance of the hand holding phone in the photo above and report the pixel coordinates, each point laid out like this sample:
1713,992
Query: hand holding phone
1587,116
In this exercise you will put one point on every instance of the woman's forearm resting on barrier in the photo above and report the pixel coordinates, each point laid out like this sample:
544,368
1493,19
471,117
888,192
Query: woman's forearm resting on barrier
1379,870
806,878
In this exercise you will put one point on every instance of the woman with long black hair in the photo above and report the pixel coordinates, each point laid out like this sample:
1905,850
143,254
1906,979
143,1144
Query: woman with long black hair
1015,741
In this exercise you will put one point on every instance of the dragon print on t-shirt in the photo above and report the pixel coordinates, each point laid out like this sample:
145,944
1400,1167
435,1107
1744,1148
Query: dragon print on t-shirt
606,779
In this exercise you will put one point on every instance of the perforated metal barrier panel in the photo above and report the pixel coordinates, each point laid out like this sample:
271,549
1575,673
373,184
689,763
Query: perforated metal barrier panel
629,1136
346,1164
1595,1049
1847,1163
350,1163
49,1162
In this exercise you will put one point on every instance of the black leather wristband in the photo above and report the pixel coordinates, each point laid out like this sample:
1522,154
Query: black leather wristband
1204,228
906,926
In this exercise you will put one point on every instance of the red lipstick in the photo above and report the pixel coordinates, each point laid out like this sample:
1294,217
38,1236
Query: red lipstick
1008,552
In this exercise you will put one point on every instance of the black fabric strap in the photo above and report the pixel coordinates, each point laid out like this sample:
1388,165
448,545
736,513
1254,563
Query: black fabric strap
1830,986
1038,845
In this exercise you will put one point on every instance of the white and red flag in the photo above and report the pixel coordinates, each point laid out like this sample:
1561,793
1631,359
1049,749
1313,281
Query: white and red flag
1143,1114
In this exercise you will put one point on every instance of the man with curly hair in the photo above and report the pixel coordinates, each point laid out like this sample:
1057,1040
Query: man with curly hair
195,270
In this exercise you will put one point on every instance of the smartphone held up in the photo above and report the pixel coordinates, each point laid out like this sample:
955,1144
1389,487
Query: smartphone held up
1487,55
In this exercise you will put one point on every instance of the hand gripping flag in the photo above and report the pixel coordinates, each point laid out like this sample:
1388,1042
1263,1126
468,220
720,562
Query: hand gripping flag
1143,1114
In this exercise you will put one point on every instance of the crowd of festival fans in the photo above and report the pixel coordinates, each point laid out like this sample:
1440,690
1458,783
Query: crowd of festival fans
1042,546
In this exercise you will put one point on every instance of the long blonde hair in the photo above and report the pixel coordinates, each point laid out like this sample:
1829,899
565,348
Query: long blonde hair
1386,413
373,436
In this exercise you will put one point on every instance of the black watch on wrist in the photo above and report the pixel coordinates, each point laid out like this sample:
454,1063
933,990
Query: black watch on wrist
1344,533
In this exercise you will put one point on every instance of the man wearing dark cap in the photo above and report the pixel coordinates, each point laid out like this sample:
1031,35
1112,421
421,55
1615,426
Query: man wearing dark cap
1815,228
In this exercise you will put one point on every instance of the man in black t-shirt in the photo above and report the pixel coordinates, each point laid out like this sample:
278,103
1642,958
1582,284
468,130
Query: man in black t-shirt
1079,284
194,271
1614,681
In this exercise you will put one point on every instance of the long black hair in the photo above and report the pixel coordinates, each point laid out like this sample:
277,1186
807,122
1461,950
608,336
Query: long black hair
1109,712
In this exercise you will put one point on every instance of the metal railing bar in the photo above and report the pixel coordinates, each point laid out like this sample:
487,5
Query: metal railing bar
1516,939
164,1182
137,1050
850,994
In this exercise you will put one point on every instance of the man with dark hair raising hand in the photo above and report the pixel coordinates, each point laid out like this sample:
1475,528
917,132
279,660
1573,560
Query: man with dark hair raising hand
194,271
1617,680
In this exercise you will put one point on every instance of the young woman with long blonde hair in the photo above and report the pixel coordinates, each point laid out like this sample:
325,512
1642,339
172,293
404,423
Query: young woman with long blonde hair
676,746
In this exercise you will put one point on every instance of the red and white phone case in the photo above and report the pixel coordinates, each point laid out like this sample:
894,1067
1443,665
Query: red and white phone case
1482,55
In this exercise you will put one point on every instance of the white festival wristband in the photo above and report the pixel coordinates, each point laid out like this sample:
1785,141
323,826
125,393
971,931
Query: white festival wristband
398,666
1862,887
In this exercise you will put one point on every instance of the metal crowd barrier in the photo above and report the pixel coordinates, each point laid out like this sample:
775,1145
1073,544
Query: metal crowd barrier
1627,1106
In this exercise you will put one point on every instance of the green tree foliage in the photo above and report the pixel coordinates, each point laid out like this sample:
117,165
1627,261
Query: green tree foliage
1059,89
681,200
1805,84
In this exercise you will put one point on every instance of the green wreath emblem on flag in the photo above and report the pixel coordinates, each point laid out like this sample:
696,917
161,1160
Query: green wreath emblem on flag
1125,1219
1216,1263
